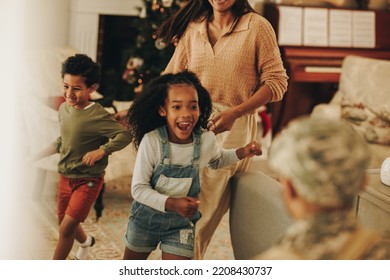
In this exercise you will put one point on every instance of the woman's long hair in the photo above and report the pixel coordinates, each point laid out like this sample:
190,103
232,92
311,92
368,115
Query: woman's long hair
143,115
174,27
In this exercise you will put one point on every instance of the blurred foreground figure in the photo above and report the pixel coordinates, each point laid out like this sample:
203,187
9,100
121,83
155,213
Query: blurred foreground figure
322,167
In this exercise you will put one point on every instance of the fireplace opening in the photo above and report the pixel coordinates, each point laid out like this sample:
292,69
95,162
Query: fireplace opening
129,56
117,37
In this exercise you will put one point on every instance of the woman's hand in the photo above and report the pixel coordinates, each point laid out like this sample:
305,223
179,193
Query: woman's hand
121,117
224,121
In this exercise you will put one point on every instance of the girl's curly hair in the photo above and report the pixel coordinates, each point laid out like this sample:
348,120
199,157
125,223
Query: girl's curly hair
143,115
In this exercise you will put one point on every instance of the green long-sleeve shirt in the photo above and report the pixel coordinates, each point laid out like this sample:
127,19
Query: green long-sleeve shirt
83,131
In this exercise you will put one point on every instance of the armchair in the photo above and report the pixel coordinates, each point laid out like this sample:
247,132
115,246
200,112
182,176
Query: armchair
363,100
258,217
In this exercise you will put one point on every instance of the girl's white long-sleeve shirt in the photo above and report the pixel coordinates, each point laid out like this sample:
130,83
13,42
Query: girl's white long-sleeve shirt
149,156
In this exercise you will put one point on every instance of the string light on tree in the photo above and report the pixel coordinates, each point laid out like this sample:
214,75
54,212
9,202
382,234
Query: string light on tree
160,44
167,3
155,5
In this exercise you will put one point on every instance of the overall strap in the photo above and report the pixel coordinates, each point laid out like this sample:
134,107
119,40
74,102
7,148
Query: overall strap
164,144
196,136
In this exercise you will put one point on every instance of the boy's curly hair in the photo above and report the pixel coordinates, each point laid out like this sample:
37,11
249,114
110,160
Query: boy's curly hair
143,115
82,65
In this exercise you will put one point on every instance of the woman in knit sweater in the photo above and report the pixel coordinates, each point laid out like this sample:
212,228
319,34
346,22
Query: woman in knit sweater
233,51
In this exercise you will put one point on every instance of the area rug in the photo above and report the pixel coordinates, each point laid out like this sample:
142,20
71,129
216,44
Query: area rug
111,226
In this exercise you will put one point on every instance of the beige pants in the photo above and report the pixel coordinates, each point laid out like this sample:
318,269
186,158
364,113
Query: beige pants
215,191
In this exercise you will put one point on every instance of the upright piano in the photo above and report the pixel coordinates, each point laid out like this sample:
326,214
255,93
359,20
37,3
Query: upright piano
314,71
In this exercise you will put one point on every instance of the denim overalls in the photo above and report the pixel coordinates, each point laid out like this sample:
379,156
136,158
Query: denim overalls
148,226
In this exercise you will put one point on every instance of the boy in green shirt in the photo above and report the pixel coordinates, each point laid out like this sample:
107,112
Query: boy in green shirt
89,134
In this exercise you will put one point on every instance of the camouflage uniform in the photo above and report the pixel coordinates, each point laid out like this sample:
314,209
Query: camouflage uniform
325,160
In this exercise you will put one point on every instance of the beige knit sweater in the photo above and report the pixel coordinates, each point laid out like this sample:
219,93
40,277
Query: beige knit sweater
238,64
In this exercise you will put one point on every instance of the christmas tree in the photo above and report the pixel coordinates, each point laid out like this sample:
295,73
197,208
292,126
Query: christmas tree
149,56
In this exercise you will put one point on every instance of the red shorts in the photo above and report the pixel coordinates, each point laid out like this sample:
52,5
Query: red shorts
76,196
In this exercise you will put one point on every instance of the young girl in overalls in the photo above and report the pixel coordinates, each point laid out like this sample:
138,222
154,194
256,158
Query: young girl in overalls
168,122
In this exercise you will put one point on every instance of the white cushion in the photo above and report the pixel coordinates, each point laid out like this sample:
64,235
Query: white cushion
367,81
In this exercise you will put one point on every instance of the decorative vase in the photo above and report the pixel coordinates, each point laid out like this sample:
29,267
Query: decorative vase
385,172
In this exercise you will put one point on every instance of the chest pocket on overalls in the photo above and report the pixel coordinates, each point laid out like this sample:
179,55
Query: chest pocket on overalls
175,187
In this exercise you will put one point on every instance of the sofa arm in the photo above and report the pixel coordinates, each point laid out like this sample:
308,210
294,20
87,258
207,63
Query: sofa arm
331,111
258,217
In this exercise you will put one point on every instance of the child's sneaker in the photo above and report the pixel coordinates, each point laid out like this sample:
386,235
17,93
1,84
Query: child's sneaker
82,252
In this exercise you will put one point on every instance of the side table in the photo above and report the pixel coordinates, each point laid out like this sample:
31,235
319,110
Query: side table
373,204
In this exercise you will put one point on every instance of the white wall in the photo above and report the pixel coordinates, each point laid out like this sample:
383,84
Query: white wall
84,21
24,25
10,39
47,22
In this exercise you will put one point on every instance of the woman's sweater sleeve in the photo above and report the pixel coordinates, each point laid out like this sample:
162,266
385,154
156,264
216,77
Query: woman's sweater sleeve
273,74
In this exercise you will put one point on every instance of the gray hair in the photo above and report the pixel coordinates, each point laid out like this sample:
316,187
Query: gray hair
325,159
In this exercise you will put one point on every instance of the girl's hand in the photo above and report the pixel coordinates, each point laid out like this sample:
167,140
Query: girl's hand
251,149
90,158
185,206
224,121
121,117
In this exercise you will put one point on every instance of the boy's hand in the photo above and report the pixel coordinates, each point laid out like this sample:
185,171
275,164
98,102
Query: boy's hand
251,149
90,158
185,206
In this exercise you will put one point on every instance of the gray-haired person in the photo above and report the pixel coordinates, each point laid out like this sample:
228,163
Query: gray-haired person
322,166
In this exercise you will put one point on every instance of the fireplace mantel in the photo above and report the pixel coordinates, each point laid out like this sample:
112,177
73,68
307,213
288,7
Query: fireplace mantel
84,20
